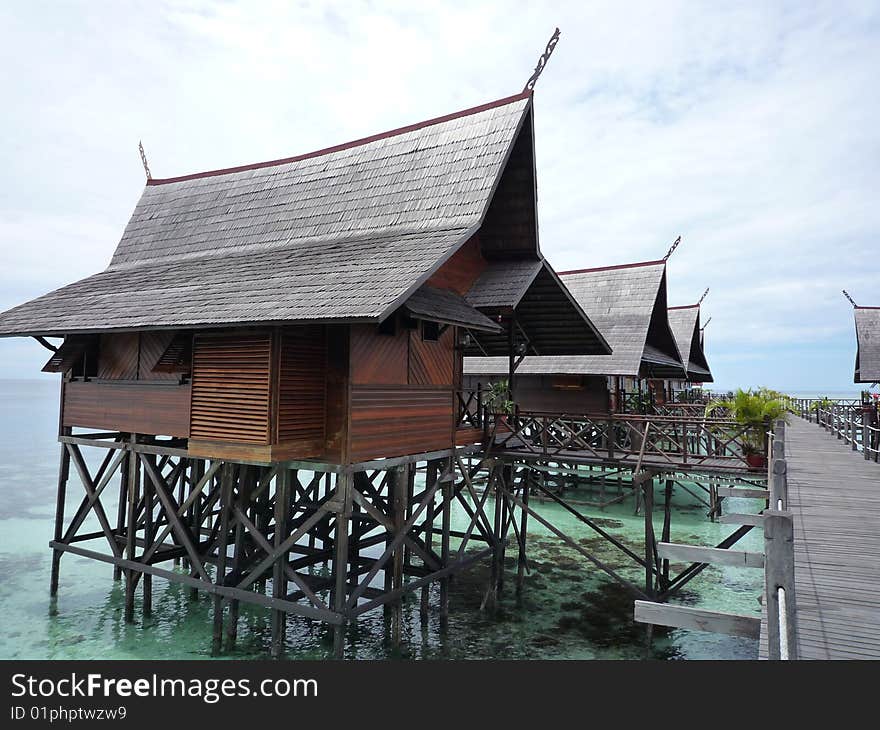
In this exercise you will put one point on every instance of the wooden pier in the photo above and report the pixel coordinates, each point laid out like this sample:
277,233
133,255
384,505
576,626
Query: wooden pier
833,497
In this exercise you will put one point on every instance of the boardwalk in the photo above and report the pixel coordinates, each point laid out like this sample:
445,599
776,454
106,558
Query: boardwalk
834,495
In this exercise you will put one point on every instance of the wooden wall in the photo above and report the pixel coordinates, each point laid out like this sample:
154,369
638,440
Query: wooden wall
302,387
555,394
401,392
132,355
153,408
231,387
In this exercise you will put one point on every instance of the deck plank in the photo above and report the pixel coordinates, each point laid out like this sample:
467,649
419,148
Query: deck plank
834,494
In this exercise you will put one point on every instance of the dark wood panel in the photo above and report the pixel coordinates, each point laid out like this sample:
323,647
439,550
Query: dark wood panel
582,394
118,356
396,421
153,345
462,269
160,410
302,384
378,359
432,363
231,387
338,394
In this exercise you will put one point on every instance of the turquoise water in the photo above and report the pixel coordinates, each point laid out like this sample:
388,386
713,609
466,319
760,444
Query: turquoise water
568,610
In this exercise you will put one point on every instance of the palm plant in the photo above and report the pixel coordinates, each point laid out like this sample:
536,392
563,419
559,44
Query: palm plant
496,398
753,409
823,404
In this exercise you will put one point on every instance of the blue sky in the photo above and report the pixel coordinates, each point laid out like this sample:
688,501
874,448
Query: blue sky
751,129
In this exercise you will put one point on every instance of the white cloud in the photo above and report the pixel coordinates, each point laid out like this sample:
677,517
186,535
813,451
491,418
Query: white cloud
751,129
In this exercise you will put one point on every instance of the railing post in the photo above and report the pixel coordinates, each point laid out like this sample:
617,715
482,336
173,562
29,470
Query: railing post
866,435
852,429
779,589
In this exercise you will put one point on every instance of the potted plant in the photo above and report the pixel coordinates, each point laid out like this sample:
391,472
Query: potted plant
754,410
496,399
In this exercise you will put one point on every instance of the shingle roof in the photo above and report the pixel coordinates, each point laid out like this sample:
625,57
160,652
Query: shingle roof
503,284
621,302
342,234
444,305
685,324
868,340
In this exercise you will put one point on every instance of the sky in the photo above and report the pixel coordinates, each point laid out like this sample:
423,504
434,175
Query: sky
750,129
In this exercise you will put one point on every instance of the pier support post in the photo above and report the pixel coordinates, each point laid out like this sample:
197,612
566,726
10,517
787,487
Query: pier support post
523,526
667,528
431,473
340,561
146,578
131,528
648,509
445,525
61,495
779,589
222,549
279,583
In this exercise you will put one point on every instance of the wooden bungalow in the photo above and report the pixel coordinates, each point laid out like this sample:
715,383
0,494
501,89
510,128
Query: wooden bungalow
629,306
317,306
867,368
685,324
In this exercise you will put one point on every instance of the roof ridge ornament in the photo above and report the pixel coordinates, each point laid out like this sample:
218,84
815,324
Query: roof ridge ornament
705,294
672,248
542,61
144,160
851,300
705,325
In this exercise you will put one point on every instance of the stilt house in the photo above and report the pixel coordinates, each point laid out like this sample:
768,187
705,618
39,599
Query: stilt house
628,305
318,306
867,344
685,324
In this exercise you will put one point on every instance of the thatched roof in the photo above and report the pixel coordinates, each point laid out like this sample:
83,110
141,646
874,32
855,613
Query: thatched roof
627,304
685,324
868,343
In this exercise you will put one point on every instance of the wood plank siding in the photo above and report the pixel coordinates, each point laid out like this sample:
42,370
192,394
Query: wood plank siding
399,420
154,408
402,392
231,387
302,389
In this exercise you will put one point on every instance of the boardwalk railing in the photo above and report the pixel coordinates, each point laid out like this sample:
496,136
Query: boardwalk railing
852,425
779,591
676,441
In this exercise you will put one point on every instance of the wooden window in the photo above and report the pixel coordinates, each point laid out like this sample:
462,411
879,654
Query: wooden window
430,331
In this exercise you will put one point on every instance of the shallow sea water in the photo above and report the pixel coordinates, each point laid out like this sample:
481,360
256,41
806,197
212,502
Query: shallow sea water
568,610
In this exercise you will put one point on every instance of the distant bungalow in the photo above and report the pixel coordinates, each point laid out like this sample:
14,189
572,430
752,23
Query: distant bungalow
685,324
628,305
868,344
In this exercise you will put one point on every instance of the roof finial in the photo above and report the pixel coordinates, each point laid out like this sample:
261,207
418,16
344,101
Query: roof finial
851,300
672,248
705,325
542,61
705,294
144,160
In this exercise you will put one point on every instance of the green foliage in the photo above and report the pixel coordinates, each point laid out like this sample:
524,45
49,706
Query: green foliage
754,409
822,404
496,398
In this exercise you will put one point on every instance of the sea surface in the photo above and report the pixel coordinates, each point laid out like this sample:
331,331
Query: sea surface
568,610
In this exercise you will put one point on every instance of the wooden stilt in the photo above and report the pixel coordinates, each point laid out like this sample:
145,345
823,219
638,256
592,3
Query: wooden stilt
227,474
431,473
279,583
523,527
61,495
667,527
121,507
146,578
340,594
445,526
131,529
